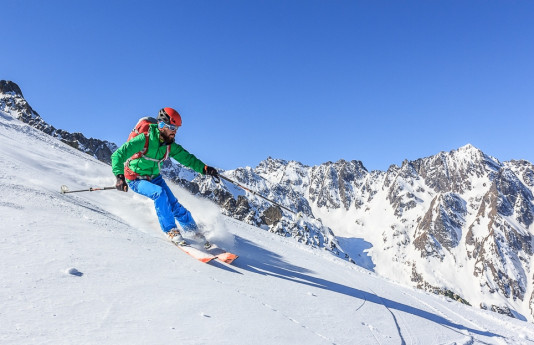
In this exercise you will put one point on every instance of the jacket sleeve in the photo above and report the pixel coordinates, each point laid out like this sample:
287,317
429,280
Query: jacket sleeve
185,158
128,149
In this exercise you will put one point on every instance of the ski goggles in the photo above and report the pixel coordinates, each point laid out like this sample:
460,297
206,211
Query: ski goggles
162,125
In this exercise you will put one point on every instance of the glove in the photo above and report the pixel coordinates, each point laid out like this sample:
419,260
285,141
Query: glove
121,183
211,171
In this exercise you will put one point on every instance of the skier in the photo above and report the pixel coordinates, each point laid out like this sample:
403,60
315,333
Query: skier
136,164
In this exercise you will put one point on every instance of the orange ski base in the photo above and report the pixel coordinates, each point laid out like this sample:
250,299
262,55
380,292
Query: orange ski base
227,257
197,254
202,256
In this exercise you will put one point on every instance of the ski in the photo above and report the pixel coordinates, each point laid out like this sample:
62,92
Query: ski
221,254
206,255
227,258
196,253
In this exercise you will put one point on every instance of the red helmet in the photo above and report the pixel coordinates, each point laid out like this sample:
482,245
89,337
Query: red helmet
170,116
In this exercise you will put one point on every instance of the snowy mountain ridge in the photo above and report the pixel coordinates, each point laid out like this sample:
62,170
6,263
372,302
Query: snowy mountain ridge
457,223
12,102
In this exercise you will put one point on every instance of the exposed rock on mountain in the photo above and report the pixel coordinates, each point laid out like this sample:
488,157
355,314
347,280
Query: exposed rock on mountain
441,227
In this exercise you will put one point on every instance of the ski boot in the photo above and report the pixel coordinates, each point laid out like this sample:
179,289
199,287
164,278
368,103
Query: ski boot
202,238
176,237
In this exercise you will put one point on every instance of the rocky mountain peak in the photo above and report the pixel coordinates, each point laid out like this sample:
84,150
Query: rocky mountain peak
10,88
271,164
456,170
468,148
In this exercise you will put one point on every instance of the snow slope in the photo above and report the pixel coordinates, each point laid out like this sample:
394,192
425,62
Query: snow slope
94,268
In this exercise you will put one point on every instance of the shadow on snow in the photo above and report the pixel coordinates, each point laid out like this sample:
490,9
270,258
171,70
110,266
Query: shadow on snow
356,249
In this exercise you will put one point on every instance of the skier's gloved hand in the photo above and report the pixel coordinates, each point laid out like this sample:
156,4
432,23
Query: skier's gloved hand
211,171
121,183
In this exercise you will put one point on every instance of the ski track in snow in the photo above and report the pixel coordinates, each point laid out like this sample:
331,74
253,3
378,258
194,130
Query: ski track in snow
399,332
368,327
447,317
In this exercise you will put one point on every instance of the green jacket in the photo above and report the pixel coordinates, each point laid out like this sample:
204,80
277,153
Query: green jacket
156,150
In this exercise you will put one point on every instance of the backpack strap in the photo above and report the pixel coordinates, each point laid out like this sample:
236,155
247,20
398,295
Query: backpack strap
143,151
129,173
167,152
142,154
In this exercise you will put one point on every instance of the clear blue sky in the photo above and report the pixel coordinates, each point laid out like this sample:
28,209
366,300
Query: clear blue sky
312,81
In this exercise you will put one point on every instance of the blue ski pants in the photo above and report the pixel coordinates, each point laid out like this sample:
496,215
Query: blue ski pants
167,206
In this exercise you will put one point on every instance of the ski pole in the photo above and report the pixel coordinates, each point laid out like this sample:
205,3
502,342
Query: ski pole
65,189
255,193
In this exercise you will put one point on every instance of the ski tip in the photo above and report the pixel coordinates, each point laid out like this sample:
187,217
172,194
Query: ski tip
227,257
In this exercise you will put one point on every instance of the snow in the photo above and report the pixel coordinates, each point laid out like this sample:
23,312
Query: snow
94,268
